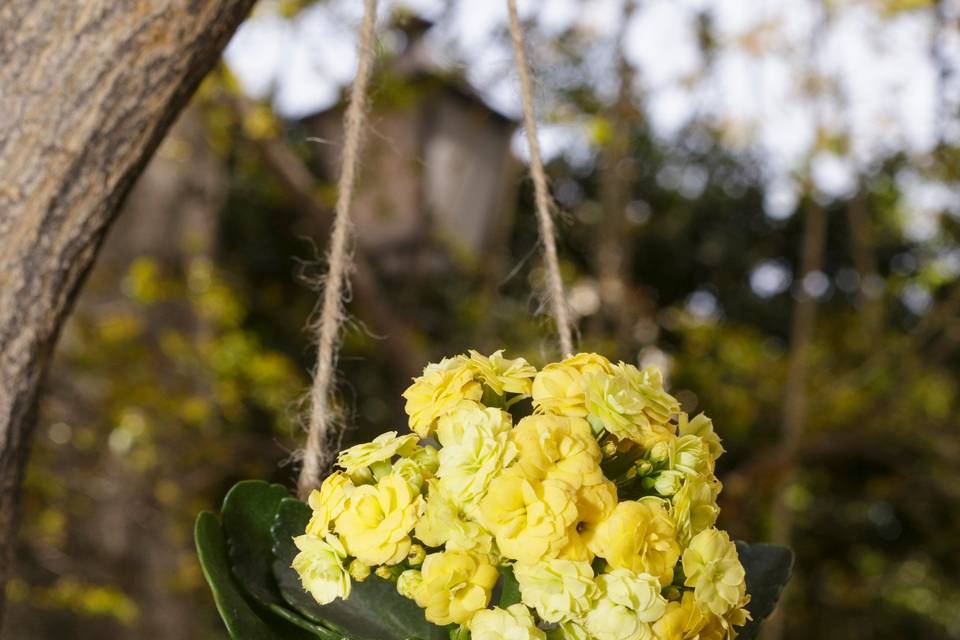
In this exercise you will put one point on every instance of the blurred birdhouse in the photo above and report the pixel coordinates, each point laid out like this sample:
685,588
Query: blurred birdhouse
437,174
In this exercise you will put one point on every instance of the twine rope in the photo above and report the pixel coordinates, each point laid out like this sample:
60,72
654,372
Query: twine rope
319,450
556,298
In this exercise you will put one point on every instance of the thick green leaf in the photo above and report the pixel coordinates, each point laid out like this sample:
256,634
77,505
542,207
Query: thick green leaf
249,510
316,629
374,610
768,569
509,588
248,513
242,620
290,521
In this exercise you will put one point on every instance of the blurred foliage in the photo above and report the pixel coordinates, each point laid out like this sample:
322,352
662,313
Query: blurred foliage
160,397
172,381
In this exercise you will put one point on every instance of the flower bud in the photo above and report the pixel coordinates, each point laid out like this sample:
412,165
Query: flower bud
380,469
672,594
407,582
416,555
361,476
383,571
660,452
359,571
411,472
668,482
427,458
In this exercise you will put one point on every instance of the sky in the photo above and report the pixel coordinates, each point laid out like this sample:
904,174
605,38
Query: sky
880,65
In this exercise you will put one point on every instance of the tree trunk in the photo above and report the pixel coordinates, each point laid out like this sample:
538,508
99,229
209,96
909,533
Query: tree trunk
88,91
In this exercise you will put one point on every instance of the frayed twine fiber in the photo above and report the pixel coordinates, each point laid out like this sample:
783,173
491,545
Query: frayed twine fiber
322,442
556,298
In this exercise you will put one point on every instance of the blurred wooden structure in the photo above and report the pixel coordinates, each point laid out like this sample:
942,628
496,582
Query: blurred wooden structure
437,171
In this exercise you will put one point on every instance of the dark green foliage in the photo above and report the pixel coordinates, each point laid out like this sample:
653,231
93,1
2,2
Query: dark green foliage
509,589
260,521
768,569
239,616
248,514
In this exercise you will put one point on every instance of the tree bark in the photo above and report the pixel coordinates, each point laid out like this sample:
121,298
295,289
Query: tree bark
87,91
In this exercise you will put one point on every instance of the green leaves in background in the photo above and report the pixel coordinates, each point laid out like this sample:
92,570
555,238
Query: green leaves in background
247,564
768,568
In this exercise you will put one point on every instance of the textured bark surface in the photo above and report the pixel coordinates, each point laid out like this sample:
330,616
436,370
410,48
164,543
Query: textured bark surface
87,90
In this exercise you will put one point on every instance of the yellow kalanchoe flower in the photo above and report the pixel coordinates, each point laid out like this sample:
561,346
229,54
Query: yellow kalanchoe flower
595,503
328,502
568,631
694,507
503,375
722,627
383,448
639,592
690,455
513,623
630,403
558,448
681,621
320,567
529,518
444,523
712,567
376,523
628,603
469,418
558,387
475,450
536,495
660,405
559,590
702,427
454,585
467,469
640,536
410,471
438,391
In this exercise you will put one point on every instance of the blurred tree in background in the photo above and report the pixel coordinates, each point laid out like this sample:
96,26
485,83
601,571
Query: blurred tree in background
182,367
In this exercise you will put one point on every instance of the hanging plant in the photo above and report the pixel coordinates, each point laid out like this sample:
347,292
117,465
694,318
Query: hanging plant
573,502
577,502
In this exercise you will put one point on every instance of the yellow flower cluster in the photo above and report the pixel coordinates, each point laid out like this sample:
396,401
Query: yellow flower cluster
584,478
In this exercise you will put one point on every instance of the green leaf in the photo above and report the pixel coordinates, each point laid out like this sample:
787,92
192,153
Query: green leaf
290,521
249,510
248,513
294,618
459,633
509,588
243,622
374,610
768,569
